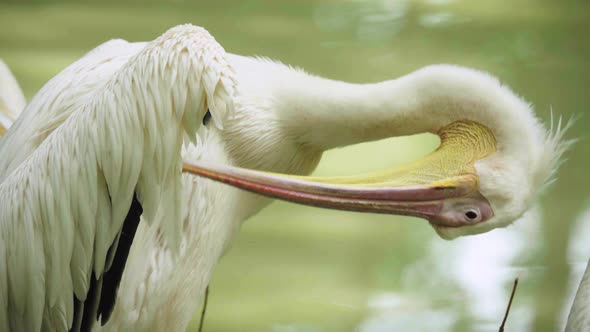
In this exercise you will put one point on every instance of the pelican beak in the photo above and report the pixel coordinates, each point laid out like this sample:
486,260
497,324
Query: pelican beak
441,188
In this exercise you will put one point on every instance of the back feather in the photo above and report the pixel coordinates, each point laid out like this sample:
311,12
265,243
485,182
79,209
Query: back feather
12,100
63,206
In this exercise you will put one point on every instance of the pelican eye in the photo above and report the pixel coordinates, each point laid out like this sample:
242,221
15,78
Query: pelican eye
472,215
206,118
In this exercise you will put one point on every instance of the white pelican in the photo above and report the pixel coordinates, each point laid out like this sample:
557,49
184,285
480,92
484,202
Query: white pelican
83,162
12,100
494,158
579,315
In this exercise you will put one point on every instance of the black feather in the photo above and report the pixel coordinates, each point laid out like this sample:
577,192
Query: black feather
207,118
102,293
112,277
90,305
78,314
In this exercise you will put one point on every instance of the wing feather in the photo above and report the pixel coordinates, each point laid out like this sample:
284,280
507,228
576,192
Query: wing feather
65,192
579,315
4,318
12,100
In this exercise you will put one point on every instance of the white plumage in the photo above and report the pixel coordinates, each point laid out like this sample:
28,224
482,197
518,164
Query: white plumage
283,120
65,192
12,100
579,316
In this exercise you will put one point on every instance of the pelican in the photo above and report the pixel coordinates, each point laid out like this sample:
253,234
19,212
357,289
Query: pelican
579,315
494,158
12,100
94,158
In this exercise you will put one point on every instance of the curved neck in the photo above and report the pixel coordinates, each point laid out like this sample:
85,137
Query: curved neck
328,114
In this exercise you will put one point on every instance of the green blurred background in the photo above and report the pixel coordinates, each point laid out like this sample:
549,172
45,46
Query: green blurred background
297,268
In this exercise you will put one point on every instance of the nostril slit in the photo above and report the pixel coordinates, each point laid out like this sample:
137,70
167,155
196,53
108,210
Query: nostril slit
471,215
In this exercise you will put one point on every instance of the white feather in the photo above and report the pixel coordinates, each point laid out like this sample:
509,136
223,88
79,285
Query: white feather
579,316
72,179
12,100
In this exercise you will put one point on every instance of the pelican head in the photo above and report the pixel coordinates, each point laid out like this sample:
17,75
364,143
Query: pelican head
494,156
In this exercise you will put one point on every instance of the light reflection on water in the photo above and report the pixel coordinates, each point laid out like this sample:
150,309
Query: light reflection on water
476,272
381,20
374,21
438,19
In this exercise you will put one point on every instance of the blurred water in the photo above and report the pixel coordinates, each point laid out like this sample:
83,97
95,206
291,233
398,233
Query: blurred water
474,271
302,269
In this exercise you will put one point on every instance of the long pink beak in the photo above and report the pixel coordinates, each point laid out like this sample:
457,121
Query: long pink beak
443,206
